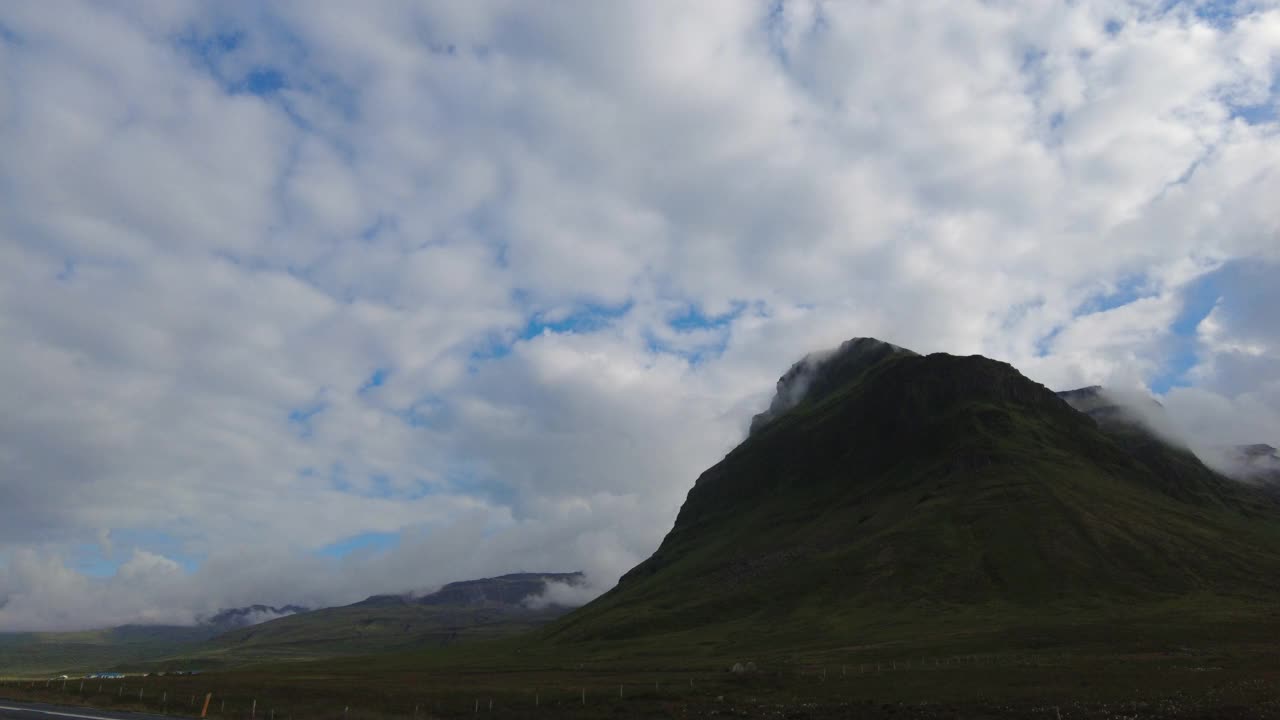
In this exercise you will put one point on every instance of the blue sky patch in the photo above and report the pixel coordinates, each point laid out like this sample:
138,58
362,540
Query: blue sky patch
1255,114
1198,300
88,559
589,318
1128,289
1260,113
207,49
425,412
692,318
260,81
376,380
7,35
300,418
368,542
1221,14
1044,344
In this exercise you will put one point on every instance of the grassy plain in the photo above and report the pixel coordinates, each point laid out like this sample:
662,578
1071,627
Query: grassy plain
1180,663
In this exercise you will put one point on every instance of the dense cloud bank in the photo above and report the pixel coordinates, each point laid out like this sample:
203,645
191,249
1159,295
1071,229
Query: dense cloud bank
315,301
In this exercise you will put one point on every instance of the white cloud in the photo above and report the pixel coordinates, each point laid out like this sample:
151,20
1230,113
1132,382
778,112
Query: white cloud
185,265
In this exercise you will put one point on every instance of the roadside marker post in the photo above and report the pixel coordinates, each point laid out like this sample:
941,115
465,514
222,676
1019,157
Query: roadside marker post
204,712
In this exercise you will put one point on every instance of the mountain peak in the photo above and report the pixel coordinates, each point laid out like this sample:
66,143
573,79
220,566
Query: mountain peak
819,373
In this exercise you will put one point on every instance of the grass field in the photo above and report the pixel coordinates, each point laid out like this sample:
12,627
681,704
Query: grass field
1159,667
1191,685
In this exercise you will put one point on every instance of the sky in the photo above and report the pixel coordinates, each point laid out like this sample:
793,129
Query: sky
306,301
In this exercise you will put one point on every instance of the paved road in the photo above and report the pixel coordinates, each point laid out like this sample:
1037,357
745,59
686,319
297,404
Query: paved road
12,710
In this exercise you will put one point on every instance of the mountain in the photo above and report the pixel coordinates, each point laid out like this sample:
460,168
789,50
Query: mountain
1138,422
108,647
232,618
504,592
458,612
1258,462
891,497
29,652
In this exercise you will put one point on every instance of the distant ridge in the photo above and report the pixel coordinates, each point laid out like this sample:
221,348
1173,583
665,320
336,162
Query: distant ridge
504,591
459,612
232,618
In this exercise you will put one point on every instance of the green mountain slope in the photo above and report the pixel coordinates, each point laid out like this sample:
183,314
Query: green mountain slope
905,495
